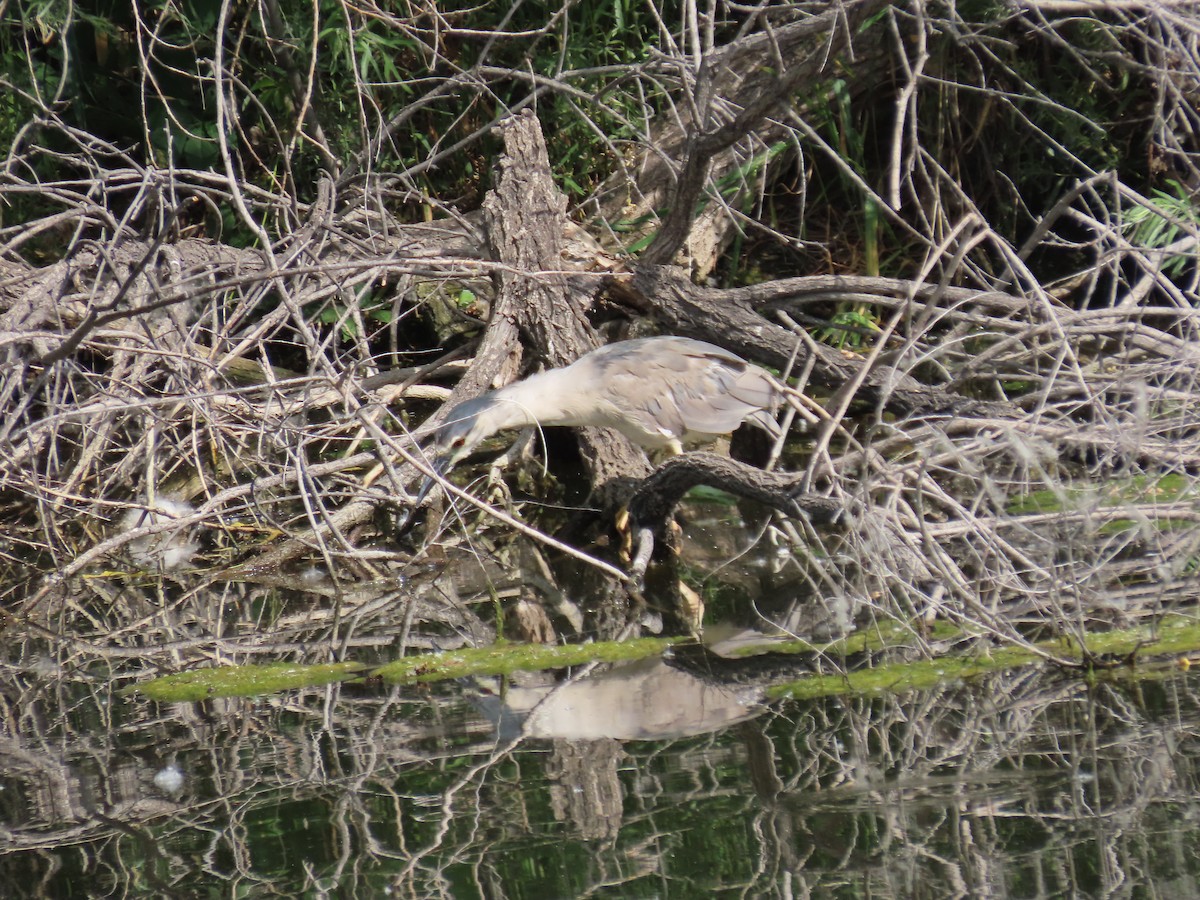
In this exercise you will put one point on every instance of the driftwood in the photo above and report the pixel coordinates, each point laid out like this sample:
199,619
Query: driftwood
274,387
125,358
655,499
542,298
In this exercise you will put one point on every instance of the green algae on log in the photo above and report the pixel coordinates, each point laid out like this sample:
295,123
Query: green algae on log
500,659
505,659
243,681
1174,636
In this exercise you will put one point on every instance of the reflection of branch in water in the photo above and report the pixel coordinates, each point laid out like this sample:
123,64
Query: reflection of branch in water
926,782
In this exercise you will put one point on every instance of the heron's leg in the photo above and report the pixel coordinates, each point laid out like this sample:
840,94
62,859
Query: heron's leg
673,448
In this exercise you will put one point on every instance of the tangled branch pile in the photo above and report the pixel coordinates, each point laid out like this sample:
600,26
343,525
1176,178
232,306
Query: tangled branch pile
232,244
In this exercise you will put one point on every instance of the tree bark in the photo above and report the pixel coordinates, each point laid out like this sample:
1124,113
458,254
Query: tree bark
526,223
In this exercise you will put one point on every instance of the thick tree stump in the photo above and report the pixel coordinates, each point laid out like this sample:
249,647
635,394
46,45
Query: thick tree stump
525,220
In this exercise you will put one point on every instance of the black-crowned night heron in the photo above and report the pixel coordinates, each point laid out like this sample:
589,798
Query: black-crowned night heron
660,392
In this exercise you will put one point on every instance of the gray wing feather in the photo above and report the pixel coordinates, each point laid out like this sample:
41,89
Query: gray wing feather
716,391
729,398
679,385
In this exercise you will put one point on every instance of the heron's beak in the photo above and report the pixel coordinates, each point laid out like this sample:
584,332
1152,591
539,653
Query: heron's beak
441,466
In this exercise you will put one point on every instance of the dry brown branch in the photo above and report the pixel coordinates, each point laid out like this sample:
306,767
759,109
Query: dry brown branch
1018,358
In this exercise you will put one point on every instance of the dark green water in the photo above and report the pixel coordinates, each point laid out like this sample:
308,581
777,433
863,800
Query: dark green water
1020,785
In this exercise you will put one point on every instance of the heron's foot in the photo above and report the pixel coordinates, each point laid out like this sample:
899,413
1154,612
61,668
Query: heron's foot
622,523
640,560
625,534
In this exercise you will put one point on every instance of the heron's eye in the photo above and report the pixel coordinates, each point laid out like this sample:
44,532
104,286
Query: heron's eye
457,442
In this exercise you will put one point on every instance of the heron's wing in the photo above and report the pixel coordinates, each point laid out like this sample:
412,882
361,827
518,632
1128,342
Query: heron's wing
725,395
766,422
675,386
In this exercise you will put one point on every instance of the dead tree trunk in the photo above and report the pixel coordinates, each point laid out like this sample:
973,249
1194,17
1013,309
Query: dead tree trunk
526,222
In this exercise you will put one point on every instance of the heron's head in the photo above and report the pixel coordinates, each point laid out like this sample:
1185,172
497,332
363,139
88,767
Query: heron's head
467,425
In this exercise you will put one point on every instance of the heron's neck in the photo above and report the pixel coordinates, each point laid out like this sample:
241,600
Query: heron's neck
537,400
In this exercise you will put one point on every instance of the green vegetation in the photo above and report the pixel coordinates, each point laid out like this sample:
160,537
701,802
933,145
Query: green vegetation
1175,636
243,681
1162,222
1114,494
